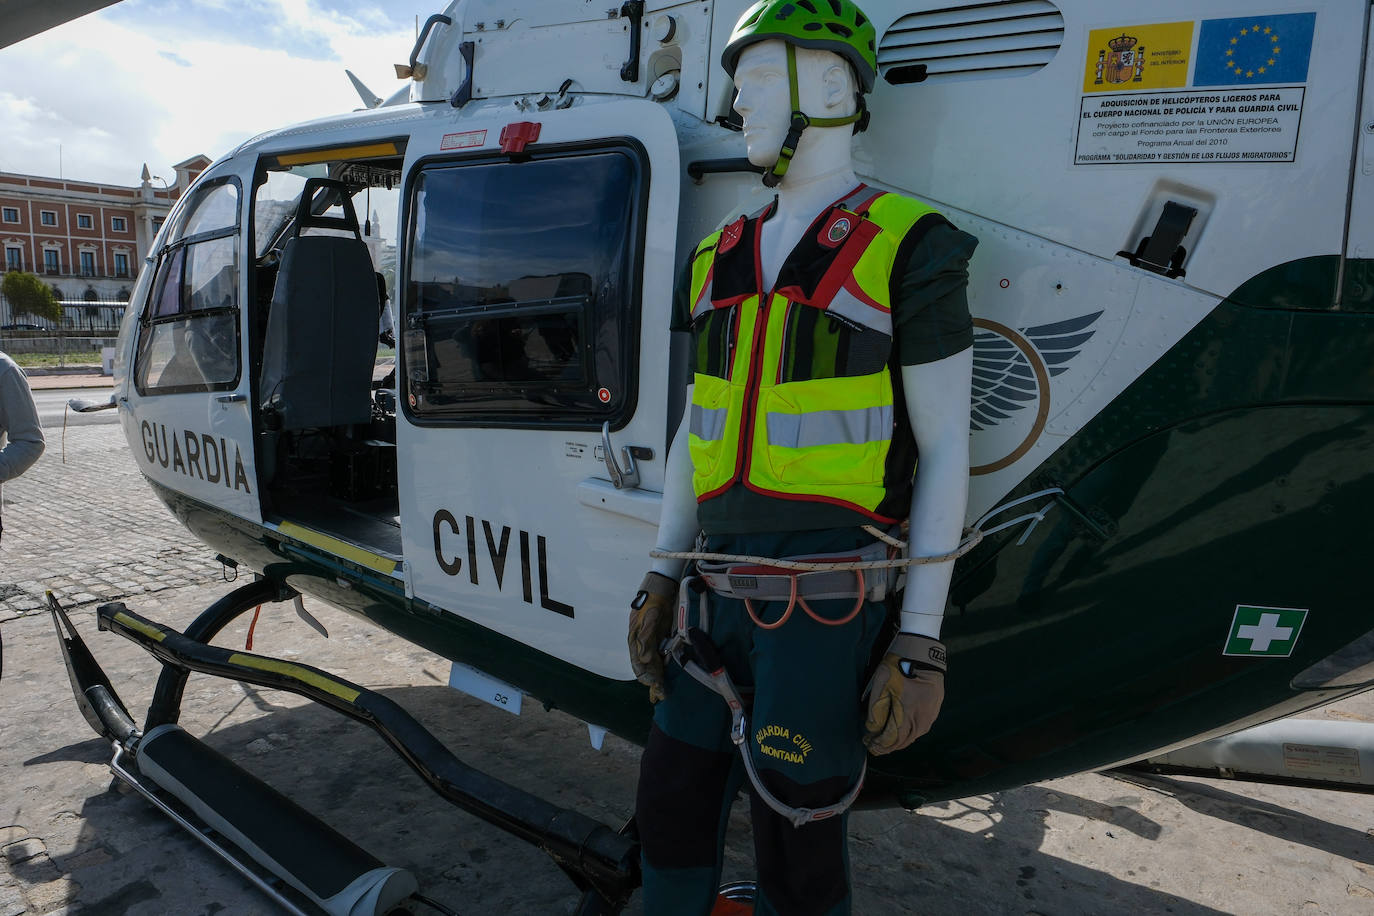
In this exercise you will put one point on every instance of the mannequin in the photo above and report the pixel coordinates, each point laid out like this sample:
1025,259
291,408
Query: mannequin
831,345
937,401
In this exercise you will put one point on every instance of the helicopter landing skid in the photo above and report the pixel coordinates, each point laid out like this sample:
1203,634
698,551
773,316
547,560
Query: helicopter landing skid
602,862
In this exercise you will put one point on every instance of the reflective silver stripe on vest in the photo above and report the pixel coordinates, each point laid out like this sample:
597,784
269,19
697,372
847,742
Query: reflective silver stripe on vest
847,305
864,195
829,427
708,424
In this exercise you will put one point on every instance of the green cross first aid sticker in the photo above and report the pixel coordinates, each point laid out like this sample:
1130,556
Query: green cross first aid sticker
1266,631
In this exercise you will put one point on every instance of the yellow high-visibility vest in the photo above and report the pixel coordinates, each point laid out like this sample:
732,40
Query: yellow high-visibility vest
794,394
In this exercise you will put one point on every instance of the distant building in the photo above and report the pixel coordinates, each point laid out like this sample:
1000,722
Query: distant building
87,240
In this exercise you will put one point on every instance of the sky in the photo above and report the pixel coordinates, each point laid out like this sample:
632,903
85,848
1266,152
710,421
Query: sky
159,81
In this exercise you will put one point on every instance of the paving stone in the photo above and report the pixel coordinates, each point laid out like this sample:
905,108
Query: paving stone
87,859
74,548
23,850
46,898
12,834
12,901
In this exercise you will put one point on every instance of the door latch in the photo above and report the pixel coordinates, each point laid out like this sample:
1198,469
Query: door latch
628,478
1162,251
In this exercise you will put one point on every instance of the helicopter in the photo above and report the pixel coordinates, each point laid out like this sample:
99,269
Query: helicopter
1170,426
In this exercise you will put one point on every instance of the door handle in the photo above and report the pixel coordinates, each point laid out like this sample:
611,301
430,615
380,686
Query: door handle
232,398
628,478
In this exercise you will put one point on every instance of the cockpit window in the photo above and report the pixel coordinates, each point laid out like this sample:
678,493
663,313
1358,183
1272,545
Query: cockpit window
217,207
520,299
189,334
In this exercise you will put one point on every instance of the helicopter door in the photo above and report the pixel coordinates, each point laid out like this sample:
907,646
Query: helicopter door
537,288
188,415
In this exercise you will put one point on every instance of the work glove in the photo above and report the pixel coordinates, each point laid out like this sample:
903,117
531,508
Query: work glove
651,617
905,693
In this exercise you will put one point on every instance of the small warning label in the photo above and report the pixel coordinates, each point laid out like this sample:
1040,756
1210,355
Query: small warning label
465,140
1318,760
1257,125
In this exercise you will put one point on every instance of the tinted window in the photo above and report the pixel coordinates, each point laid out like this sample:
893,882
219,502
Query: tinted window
520,300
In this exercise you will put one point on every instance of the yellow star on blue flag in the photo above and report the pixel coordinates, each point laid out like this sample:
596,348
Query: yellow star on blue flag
1254,50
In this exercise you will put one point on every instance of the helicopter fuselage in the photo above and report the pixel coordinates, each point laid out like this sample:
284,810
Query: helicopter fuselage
1173,366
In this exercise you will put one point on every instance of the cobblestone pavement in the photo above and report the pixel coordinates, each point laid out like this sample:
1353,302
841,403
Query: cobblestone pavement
90,529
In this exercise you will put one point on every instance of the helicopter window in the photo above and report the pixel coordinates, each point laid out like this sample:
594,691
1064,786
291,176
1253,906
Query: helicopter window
189,338
276,200
216,208
520,302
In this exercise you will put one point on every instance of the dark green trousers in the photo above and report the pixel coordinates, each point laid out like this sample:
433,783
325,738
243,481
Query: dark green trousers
805,729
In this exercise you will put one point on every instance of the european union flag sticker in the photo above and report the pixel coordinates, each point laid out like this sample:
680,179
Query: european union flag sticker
1254,50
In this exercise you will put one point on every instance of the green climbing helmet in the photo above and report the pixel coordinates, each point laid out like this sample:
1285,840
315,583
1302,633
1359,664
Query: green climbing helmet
826,25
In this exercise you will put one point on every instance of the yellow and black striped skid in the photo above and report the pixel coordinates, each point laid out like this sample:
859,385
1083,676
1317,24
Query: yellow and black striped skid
599,858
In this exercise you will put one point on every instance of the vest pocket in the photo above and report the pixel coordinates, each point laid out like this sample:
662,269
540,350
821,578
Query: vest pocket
711,443
826,435
823,344
713,335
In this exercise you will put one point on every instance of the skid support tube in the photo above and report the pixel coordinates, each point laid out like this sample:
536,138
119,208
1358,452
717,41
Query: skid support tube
165,708
605,860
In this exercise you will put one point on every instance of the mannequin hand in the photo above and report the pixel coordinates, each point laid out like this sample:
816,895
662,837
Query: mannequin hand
905,693
651,616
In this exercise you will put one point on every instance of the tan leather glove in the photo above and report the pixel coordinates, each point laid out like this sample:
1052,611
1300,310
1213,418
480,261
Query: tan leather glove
905,693
651,617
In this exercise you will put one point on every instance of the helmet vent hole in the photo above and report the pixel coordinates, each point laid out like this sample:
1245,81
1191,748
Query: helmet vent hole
859,20
843,31
835,7
807,5
812,26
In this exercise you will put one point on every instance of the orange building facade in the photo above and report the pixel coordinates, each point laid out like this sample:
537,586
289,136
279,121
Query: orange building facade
86,240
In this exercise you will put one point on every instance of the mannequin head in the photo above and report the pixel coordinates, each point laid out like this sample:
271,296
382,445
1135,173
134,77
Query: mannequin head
826,88
821,48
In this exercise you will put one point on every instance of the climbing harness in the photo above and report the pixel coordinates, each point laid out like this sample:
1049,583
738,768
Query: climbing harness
698,656
750,582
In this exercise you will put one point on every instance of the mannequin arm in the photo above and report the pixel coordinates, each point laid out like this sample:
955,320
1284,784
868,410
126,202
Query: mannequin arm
677,521
937,402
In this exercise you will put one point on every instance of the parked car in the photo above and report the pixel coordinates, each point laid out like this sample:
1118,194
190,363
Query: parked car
21,327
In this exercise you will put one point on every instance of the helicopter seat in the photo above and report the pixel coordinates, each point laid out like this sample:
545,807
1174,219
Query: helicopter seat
321,341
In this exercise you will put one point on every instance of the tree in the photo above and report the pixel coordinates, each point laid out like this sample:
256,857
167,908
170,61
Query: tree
29,295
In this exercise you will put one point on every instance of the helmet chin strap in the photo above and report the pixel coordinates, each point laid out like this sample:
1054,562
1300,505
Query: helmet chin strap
800,122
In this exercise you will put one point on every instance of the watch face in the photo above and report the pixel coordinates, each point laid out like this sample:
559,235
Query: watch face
639,600
908,667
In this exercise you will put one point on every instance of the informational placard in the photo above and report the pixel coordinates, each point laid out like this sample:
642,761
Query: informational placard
1231,125
1315,760
1215,90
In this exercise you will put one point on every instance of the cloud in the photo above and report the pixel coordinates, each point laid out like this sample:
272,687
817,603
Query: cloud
158,83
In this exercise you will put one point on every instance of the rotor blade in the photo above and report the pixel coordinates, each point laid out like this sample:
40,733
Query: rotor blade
25,18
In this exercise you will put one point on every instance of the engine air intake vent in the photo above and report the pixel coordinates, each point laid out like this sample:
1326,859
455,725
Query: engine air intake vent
969,41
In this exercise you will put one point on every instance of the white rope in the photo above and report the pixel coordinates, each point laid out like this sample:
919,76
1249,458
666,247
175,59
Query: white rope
885,537
972,538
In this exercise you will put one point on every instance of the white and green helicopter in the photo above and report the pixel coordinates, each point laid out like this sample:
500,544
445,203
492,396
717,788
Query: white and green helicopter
1172,423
